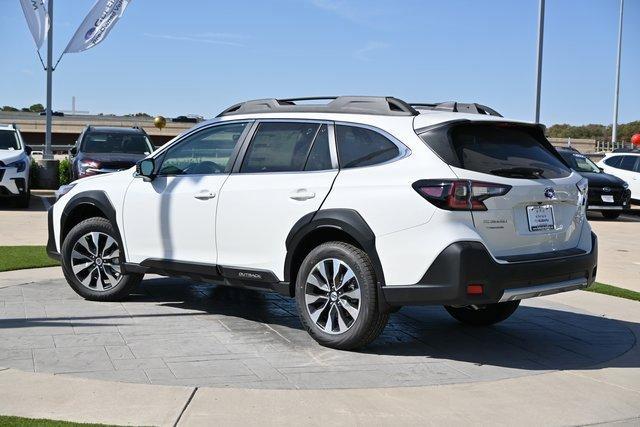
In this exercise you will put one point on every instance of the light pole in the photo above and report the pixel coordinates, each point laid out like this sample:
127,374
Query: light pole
48,152
539,62
614,133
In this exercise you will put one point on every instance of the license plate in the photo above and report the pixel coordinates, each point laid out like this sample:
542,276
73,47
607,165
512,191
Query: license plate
540,217
607,198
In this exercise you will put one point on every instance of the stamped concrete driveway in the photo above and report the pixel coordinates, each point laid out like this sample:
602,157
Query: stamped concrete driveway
176,332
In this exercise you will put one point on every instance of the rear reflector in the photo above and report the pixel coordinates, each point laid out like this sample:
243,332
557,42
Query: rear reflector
475,289
459,195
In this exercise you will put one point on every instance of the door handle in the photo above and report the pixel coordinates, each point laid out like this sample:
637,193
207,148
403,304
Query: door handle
302,194
205,195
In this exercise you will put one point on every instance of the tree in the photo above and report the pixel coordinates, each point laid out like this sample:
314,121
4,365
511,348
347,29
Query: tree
25,110
36,108
9,108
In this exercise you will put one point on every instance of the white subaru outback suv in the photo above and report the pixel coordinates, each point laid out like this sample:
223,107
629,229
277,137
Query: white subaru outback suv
355,207
15,164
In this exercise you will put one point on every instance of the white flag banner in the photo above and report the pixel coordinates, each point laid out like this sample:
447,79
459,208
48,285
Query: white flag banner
37,19
97,24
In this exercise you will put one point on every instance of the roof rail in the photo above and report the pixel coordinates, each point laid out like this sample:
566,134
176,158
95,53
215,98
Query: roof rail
457,107
379,105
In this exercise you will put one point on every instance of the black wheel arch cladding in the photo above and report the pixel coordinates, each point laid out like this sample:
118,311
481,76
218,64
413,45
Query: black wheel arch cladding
347,221
95,198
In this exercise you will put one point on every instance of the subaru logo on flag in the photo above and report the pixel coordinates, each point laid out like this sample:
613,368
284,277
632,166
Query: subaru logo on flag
549,193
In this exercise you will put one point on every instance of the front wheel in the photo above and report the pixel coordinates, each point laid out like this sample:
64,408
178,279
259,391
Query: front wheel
337,297
485,315
91,262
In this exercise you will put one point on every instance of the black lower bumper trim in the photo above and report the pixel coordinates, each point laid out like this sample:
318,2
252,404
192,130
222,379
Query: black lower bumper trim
465,263
52,251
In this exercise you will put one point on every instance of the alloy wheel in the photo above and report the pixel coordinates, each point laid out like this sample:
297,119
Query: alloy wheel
95,261
332,296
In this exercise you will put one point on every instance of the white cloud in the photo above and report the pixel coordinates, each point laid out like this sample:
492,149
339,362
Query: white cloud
209,38
363,53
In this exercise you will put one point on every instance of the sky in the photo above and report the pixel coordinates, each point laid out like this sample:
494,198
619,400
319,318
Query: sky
198,57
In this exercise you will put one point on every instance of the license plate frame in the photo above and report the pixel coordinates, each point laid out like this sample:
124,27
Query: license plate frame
607,198
541,218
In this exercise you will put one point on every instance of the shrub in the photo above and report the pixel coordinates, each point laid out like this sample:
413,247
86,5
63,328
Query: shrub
34,174
64,171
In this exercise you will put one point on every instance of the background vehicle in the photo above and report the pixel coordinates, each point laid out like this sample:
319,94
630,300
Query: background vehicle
626,166
608,194
53,113
354,207
184,119
102,149
15,165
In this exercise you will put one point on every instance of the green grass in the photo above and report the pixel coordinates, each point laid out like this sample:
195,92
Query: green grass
19,257
27,422
601,288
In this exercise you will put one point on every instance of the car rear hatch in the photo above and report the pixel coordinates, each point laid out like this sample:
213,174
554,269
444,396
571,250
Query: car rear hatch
539,211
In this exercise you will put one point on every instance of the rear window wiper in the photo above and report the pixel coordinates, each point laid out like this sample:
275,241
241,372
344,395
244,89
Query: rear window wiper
519,172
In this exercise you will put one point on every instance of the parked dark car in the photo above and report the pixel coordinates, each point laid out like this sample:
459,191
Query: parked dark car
101,149
53,113
608,194
185,119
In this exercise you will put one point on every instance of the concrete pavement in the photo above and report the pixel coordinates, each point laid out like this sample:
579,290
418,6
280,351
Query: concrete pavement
22,227
588,385
618,251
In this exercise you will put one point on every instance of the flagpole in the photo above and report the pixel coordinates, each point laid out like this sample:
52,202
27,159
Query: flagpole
48,152
539,58
614,133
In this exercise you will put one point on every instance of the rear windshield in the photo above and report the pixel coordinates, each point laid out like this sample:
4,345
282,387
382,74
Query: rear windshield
8,140
504,150
102,142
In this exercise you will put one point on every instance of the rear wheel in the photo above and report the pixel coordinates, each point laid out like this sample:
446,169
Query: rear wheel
611,215
337,297
91,259
485,315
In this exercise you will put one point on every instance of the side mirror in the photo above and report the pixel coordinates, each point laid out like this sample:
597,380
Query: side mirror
601,169
73,151
28,150
146,169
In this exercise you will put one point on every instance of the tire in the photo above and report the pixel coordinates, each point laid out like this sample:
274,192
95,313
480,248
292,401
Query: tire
22,201
357,294
610,215
486,315
94,276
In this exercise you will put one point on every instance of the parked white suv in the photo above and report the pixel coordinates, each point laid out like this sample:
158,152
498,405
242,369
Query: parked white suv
355,207
624,164
15,164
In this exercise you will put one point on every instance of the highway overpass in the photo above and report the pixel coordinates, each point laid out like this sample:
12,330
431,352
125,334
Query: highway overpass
65,130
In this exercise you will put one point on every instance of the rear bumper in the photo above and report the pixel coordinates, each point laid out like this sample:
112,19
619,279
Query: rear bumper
465,263
621,199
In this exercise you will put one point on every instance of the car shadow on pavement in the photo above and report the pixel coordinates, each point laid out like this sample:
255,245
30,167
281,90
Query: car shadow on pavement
36,204
540,336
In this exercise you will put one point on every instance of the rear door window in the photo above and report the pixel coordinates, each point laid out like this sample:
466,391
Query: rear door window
504,150
363,147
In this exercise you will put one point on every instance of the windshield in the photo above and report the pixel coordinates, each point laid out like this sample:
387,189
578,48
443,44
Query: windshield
102,142
9,140
579,162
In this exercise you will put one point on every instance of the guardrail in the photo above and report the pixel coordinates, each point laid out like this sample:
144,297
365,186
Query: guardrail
56,148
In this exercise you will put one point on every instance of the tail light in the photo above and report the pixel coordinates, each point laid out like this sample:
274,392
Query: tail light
459,195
